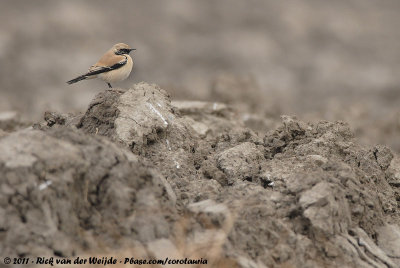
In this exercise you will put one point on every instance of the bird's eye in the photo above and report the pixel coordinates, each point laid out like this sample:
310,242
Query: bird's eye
122,51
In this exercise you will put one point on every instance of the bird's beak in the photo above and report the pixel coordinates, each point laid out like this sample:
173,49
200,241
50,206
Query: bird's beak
132,49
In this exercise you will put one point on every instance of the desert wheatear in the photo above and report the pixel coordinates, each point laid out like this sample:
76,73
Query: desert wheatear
114,66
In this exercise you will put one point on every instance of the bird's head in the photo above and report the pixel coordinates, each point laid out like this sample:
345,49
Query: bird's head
121,49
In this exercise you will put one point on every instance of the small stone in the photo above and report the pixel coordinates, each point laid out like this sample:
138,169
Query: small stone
317,159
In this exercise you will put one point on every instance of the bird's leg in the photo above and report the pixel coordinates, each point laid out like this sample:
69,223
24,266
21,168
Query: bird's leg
109,85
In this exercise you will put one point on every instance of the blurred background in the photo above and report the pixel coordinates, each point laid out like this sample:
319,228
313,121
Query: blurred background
318,60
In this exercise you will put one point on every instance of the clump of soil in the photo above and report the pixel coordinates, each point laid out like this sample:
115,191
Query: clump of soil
191,179
63,192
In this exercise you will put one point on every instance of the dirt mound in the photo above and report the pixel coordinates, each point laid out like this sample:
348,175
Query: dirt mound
63,191
190,180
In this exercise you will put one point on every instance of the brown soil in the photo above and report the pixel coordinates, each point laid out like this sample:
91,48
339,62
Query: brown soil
137,173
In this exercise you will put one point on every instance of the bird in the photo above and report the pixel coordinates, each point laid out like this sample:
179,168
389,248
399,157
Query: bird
114,66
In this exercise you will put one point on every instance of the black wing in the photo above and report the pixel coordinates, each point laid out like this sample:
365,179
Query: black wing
101,69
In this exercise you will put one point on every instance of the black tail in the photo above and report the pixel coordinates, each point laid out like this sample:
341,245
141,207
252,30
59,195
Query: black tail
79,78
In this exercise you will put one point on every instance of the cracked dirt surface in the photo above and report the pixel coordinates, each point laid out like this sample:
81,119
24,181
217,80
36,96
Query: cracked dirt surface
136,172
